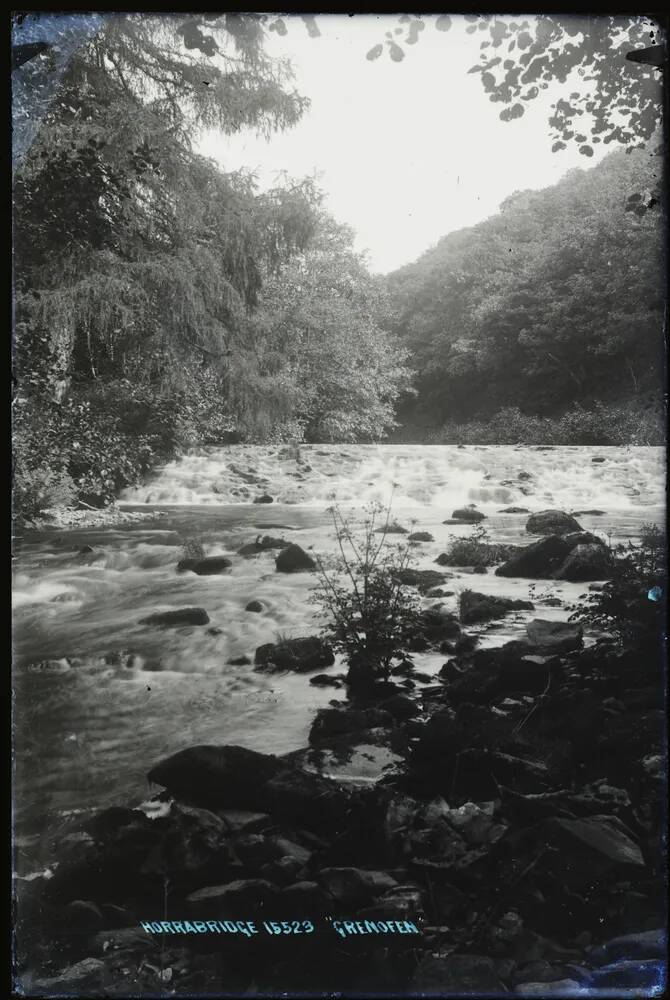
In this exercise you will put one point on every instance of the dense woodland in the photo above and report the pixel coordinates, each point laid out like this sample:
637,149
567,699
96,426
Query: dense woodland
162,303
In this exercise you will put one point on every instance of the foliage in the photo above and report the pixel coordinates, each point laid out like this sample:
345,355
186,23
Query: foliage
601,425
631,606
475,549
318,340
607,97
371,615
555,301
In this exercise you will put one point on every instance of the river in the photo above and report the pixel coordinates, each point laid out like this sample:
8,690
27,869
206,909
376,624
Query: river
100,698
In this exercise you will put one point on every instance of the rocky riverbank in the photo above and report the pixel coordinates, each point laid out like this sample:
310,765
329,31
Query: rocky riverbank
518,827
88,517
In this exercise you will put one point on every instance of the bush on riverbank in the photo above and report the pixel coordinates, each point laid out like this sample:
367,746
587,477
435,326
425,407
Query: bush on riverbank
370,617
601,425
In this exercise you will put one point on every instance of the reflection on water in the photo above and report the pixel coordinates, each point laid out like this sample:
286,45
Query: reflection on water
90,726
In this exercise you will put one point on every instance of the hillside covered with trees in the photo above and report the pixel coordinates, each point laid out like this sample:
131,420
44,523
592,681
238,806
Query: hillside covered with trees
555,305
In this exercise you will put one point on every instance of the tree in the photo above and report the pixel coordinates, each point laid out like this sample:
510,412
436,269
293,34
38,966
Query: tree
317,334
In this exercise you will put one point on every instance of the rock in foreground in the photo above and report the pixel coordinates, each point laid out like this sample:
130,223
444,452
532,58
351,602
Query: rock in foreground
552,522
181,616
207,566
474,607
555,637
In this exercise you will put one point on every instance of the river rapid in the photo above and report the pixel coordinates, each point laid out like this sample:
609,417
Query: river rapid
100,698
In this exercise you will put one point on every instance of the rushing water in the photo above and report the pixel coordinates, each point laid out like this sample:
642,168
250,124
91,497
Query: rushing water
100,698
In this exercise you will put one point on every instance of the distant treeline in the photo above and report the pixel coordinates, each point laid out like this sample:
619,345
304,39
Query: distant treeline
546,320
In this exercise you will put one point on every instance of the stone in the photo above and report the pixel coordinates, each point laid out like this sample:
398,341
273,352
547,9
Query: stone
557,988
587,513
640,945
391,529
292,795
331,722
239,661
263,544
207,566
552,522
556,637
642,977
421,536
302,655
469,515
327,680
514,510
255,606
456,975
586,562
593,847
422,579
475,607
247,897
85,973
264,498
401,707
538,560
180,616
353,886
294,559
217,776
306,898
244,820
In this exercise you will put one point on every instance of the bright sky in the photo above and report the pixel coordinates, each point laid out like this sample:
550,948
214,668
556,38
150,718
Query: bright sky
406,152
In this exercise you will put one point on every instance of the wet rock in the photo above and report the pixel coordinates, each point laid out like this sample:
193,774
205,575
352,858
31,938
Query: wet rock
557,988
523,475
302,655
327,680
586,562
217,776
538,560
215,630
646,978
180,616
239,661
587,513
552,522
598,459
355,886
294,559
255,606
292,795
514,510
591,849
401,707
405,902
263,544
244,820
282,872
467,515
88,973
434,625
556,637
207,566
474,607
422,579
306,898
331,722
264,498
421,536
392,529
643,944
251,897
456,975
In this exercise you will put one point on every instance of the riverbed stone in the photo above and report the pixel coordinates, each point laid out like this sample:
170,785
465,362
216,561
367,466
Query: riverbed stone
255,606
422,579
217,776
331,722
538,560
421,536
468,515
206,566
294,559
586,562
354,886
250,897
302,655
552,522
557,637
475,607
262,544
264,498
180,616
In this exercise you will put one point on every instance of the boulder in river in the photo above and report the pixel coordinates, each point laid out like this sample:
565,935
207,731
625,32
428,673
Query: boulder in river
337,721
302,655
474,607
255,606
392,529
422,579
556,637
206,566
180,616
421,536
538,560
227,777
514,510
552,522
586,562
466,515
294,559
264,498
262,545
